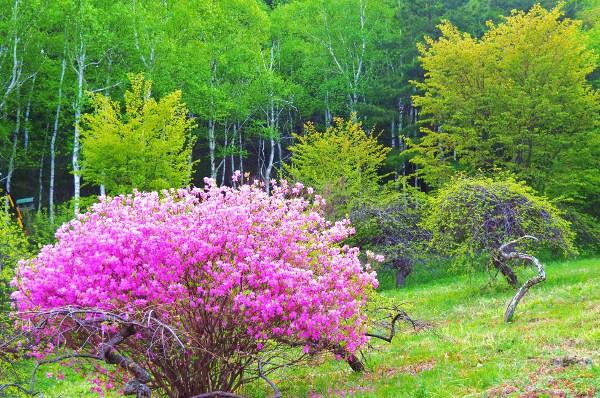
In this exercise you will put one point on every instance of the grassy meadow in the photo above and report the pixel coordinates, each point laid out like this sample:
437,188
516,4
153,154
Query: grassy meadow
551,349
462,348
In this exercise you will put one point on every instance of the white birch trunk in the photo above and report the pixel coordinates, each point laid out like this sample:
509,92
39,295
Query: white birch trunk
17,64
80,70
41,171
231,156
224,161
269,167
241,155
212,144
13,153
53,142
27,112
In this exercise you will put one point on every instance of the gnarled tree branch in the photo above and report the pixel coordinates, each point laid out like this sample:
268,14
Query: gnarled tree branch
401,315
541,276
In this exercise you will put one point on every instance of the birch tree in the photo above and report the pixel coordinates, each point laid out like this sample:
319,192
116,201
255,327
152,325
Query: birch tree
205,55
88,44
63,67
342,36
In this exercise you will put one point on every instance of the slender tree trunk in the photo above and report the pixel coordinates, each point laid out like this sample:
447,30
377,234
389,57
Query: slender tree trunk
272,127
76,132
401,143
231,155
225,157
27,111
241,150
63,67
393,133
328,117
270,165
13,153
212,144
261,156
212,141
41,171
279,153
17,64
102,188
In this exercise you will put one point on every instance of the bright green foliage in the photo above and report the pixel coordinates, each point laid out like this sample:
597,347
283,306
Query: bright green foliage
470,218
148,147
515,99
13,247
341,163
589,14
336,50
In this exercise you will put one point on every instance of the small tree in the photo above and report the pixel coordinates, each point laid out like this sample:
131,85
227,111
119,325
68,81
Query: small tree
390,224
197,290
471,218
341,163
148,147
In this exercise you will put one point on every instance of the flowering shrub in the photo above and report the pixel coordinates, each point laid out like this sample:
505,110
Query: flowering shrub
233,271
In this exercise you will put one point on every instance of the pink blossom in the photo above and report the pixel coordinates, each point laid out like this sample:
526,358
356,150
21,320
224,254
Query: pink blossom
269,261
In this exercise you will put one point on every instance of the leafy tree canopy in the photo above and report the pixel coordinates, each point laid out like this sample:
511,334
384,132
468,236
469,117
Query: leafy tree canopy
13,247
516,99
471,218
341,162
146,147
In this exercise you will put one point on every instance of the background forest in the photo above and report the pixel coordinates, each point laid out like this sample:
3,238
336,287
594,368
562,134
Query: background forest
252,74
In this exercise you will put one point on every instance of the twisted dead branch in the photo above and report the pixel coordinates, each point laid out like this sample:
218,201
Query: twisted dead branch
399,316
541,275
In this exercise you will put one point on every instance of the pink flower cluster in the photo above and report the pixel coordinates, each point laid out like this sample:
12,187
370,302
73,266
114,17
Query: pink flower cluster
270,261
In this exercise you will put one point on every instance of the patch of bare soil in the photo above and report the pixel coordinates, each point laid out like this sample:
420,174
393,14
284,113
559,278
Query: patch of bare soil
418,367
547,382
501,391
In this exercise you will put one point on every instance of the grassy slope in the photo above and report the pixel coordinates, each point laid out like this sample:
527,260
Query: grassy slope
470,352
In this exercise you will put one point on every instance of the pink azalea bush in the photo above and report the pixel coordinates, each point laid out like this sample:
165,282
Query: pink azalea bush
232,270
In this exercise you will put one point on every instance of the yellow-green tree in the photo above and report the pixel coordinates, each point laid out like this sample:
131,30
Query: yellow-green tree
471,218
146,147
13,247
515,99
341,162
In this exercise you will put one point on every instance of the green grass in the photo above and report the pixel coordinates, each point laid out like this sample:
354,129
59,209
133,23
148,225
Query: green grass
468,351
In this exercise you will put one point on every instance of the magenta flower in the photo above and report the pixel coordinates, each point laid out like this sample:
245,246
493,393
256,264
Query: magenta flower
268,267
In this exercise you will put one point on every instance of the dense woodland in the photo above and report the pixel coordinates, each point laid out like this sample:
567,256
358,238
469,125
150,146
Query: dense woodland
253,74
221,188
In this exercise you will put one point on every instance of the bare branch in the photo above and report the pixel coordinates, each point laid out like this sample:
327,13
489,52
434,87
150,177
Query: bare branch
276,392
541,275
401,315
